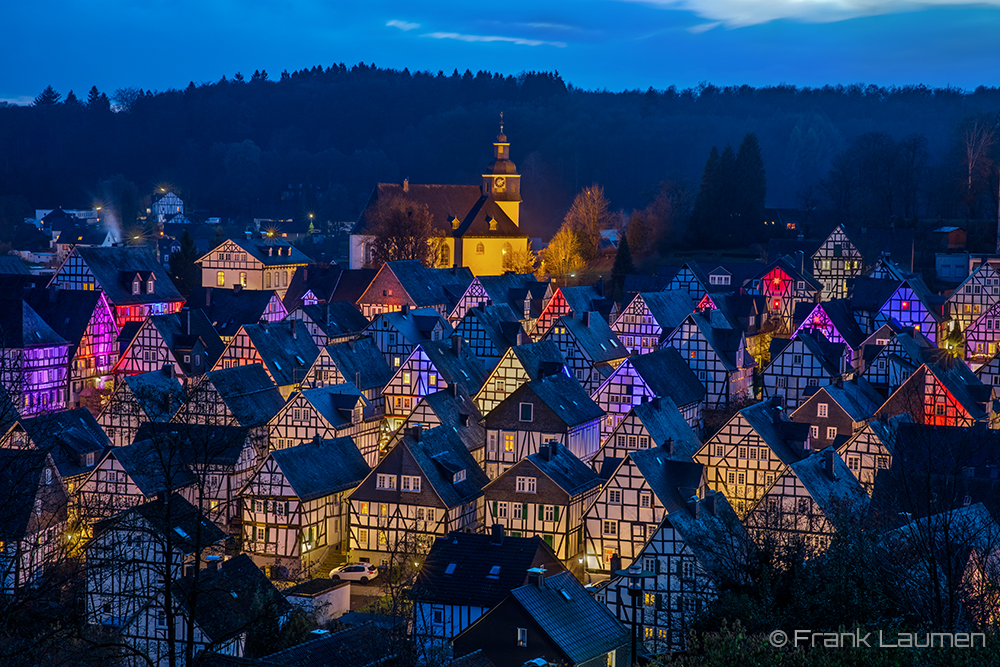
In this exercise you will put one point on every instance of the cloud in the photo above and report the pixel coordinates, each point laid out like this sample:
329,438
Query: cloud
23,100
402,25
741,13
703,27
521,41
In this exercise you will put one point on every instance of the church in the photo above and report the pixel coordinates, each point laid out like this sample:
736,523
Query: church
479,223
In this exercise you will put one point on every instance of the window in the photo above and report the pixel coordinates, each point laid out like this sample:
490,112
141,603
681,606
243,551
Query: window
730,478
881,462
814,432
220,279
609,527
797,359
549,513
458,476
385,481
649,600
406,378
644,500
518,512
90,459
687,569
781,382
742,452
411,483
480,249
135,286
822,409
432,380
905,305
437,616
526,484
508,442
161,619
522,636
526,412
831,432
854,463
502,509
803,505
363,536
492,442
500,386
615,496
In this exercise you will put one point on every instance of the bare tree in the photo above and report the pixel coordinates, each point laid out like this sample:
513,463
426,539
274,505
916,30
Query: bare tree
401,229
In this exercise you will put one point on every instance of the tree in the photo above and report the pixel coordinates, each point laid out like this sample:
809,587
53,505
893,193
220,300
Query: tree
98,101
707,211
750,187
623,264
72,100
562,258
400,229
520,261
978,135
183,269
47,98
125,98
588,217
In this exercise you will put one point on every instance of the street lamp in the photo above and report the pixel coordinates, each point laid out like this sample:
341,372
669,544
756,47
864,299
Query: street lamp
634,574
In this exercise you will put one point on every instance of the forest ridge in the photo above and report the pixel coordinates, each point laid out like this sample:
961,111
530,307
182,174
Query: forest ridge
318,140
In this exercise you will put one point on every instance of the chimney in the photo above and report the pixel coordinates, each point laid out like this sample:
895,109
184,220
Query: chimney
208,297
586,318
294,329
481,306
212,563
405,309
710,503
599,286
406,185
316,439
536,576
168,370
357,379
496,534
545,451
694,506
456,345
416,433
829,462
800,258
668,445
463,419
656,402
187,321
453,390
571,314
237,288
522,338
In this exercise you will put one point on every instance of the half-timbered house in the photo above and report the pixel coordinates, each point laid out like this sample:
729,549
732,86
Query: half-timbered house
134,283
785,287
358,361
808,360
185,339
490,330
982,335
544,495
433,365
591,349
264,263
34,360
283,348
806,502
653,422
643,488
837,411
662,373
718,354
869,451
154,396
836,262
836,322
989,372
567,300
326,283
525,295
450,407
295,507
331,323
650,316
944,394
396,333
697,281
34,524
464,575
892,355
426,486
518,365
697,548
747,455
229,309
329,412
552,408
907,302
409,282
975,295
86,322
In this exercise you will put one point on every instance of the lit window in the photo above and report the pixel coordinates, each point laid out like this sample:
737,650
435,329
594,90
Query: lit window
220,278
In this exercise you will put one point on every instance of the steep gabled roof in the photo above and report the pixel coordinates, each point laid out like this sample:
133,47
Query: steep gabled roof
12,265
669,309
544,356
361,362
22,328
841,316
229,309
152,468
335,403
20,479
183,330
322,467
564,396
114,268
460,365
716,535
286,348
510,288
667,374
195,445
841,495
415,325
440,453
500,323
791,271
68,436
563,467
663,421
870,294
722,339
587,299
578,624
265,250
158,394
829,354
474,569
858,398
785,438
248,392
171,514
430,287
337,319
357,646
595,339
965,387
674,482
68,312
460,412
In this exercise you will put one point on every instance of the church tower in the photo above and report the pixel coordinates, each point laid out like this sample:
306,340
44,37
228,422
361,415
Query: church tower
501,180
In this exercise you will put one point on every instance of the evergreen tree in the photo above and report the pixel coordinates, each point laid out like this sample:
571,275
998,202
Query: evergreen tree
48,98
750,186
72,100
623,264
182,265
705,215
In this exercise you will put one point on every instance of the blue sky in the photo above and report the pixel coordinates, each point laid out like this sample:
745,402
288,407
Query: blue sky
613,44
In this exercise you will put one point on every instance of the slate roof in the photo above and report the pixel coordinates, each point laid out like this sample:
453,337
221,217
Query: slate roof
567,471
440,453
317,469
286,348
12,265
500,323
337,319
965,386
473,556
829,354
579,625
792,272
635,283
842,495
68,312
176,513
321,280
667,374
415,326
361,362
669,309
182,330
673,481
20,479
152,468
357,646
740,273
474,659
464,367
85,235
114,268
68,436
228,600
22,328
725,342
564,396
587,299
451,409
193,444
859,399
784,438
229,309
664,421
870,294
841,316
718,538
248,393
511,289
335,403
596,339
445,202
430,287
259,248
543,356
158,394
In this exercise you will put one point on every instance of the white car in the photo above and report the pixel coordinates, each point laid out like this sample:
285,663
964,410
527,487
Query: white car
362,572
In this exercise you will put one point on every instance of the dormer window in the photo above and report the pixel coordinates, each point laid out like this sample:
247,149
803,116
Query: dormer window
493,224
459,476
150,286
136,284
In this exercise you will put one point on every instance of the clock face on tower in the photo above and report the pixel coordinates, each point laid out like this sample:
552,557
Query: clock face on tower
499,182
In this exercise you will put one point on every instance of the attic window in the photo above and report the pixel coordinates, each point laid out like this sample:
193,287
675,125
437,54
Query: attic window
302,362
562,591
149,286
233,593
494,572
180,531
493,224
135,286
277,365
450,569
459,476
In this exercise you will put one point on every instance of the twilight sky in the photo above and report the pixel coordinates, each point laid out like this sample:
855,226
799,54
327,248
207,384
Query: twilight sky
613,44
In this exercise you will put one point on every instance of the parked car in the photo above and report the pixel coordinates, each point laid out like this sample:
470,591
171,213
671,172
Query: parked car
362,572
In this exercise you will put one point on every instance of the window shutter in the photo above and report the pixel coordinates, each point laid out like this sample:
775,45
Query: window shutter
656,566
659,600
267,534
524,511
286,508
556,513
494,508
541,512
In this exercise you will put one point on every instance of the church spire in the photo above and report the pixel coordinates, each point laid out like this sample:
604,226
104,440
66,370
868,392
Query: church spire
501,180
